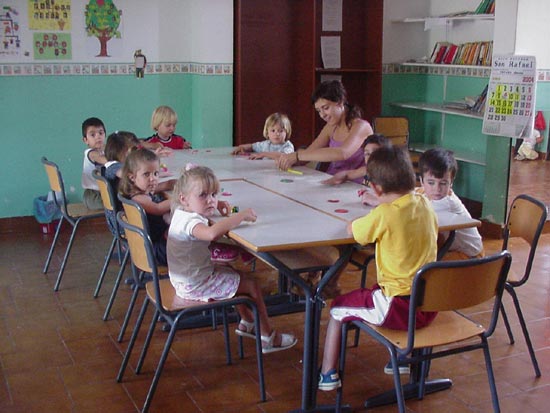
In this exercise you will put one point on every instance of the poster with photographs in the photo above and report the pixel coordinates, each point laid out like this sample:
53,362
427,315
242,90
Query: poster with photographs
49,15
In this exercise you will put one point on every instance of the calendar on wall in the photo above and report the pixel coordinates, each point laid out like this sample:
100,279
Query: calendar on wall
510,105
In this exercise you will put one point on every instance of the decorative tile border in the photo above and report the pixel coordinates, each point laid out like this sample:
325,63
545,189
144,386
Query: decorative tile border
543,75
108,69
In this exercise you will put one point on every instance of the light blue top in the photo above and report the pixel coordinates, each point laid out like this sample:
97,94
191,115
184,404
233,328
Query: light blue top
267,146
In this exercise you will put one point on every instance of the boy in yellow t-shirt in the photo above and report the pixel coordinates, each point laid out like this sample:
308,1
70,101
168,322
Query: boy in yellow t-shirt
404,228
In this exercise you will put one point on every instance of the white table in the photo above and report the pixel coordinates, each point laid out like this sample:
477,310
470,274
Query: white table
294,211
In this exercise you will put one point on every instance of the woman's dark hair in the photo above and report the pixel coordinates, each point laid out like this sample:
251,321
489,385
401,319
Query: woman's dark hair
334,91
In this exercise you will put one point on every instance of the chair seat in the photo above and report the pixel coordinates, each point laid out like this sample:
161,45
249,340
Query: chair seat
314,257
77,210
448,327
170,301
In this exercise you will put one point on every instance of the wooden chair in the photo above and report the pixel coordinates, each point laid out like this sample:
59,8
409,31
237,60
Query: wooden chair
173,309
108,197
111,208
73,213
445,287
525,223
136,216
394,128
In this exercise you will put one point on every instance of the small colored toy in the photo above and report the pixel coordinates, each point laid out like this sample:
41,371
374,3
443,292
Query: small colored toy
235,209
163,167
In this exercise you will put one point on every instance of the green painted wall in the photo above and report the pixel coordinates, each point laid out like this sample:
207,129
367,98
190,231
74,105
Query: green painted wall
487,184
42,116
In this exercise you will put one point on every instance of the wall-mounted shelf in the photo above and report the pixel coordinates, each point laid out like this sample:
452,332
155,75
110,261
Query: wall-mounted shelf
419,64
446,19
460,155
432,107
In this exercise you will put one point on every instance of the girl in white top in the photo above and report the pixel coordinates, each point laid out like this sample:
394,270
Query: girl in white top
277,131
192,273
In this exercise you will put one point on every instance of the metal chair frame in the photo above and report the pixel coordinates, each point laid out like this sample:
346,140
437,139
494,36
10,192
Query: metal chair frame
160,292
73,213
526,220
445,287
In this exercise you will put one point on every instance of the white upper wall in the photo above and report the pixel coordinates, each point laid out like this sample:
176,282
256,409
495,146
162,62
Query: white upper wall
165,30
404,41
533,31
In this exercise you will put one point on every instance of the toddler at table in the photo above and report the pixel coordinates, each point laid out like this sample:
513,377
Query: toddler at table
192,273
277,131
164,122
93,135
140,182
404,228
438,169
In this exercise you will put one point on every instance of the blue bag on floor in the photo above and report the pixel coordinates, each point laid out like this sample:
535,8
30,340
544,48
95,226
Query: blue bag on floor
45,210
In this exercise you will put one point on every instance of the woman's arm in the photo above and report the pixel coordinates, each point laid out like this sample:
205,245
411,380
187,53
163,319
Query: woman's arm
223,226
359,131
151,207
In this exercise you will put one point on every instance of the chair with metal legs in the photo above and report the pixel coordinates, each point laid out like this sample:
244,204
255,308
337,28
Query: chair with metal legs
111,208
524,225
73,213
136,216
444,287
172,309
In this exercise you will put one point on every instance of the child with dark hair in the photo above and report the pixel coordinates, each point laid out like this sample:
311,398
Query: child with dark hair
438,168
93,135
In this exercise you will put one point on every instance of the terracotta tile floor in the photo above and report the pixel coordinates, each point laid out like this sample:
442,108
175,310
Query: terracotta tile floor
57,355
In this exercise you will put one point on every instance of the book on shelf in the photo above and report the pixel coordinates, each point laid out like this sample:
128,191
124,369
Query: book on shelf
439,51
479,104
470,53
485,6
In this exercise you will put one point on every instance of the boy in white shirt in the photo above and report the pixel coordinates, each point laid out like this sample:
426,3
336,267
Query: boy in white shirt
438,169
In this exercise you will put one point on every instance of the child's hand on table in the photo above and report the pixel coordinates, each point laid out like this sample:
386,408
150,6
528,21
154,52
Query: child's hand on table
224,208
336,179
163,151
248,215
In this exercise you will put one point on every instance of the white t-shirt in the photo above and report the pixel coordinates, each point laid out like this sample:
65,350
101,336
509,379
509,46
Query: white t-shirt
467,240
267,146
188,257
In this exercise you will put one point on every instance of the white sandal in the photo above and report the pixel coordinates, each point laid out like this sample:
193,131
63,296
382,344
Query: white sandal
248,330
287,341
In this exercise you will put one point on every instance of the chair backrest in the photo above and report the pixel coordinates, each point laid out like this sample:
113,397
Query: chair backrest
108,196
135,214
526,220
56,184
394,128
142,253
455,285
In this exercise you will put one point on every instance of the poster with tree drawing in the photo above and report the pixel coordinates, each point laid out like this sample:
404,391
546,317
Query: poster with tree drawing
102,21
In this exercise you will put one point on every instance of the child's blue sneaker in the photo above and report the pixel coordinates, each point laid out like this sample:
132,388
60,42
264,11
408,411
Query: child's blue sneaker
330,381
